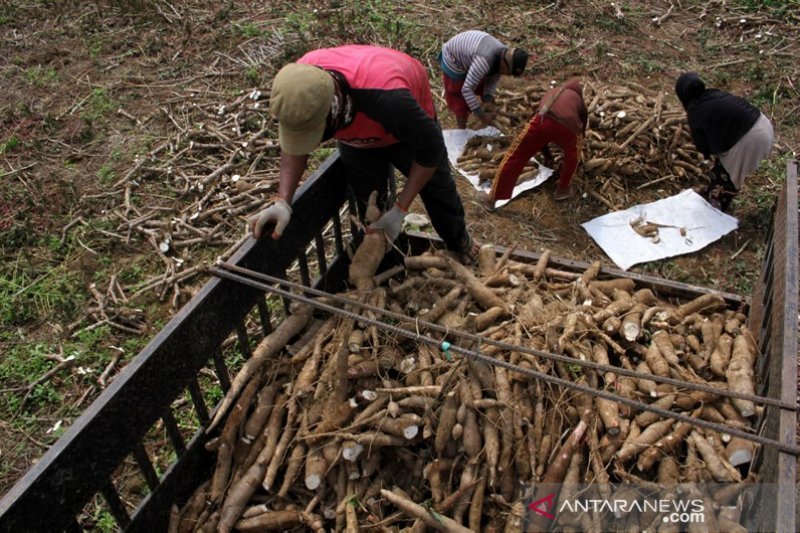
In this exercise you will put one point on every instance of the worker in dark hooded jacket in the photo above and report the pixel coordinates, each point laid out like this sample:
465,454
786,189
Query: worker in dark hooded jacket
561,119
736,133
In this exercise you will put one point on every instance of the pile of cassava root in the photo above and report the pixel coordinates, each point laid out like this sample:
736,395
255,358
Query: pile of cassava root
345,423
483,155
635,135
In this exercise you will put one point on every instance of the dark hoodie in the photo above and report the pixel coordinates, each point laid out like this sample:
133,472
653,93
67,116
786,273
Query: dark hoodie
566,106
717,119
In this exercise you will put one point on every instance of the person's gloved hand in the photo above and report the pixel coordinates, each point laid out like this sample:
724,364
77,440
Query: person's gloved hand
390,222
279,213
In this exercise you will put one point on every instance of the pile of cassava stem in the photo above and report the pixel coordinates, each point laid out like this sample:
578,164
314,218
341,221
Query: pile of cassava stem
634,135
341,423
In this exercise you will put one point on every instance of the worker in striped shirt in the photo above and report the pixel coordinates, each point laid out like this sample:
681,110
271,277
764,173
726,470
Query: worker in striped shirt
472,63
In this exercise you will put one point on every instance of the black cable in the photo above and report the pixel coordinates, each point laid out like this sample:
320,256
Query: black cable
413,335
700,387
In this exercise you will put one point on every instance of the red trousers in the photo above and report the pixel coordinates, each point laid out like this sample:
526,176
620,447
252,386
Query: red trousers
539,132
454,98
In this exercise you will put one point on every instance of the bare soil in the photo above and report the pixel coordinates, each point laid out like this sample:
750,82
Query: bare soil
116,111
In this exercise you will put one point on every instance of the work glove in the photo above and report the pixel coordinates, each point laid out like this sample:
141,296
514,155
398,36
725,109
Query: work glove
391,222
278,213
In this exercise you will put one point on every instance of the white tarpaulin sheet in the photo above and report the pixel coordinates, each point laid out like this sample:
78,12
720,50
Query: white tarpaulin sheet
456,141
685,223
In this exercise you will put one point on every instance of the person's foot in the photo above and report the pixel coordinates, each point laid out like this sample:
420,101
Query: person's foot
468,252
563,193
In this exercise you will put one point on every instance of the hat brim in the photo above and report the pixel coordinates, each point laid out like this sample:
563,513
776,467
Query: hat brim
301,142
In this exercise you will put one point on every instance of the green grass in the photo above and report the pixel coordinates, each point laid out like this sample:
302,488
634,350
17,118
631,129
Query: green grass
22,365
27,295
775,8
106,175
671,270
98,104
318,156
249,30
9,144
40,76
648,65
252,76
25,362
380,21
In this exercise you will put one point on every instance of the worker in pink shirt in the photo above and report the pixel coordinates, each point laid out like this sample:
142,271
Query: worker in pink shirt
377,103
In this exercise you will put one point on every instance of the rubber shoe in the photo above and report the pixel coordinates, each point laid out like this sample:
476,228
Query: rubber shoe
563,194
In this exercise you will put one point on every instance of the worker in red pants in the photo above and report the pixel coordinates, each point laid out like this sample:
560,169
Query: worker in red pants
560,119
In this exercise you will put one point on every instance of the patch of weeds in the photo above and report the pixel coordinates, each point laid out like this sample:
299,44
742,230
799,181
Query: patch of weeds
756,73
648,65
131,274
321,154
669,269
24,364
300,21
53,244
100,275
755,203
723,78
743,278
775,8
574,369
104,521
134,345
249,30
251,75
26,295
95,48
379,21
40,76
275,308
106,175
765,96
706,39
9,144
252,123
610,23
601,50
98,104
92,337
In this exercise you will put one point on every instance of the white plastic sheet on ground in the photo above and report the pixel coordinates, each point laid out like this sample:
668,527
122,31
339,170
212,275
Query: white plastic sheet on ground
456,141
701,223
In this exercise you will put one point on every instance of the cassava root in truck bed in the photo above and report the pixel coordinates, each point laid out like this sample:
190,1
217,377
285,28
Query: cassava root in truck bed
316,440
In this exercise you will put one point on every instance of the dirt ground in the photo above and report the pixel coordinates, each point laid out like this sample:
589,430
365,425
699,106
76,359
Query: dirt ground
121,119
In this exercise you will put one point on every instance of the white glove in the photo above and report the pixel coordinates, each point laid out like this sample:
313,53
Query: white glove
279,213
391,222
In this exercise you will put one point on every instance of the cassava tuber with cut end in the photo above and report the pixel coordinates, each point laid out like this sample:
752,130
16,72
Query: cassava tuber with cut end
357,406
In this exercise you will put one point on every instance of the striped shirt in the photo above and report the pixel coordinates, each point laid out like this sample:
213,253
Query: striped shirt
474,54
